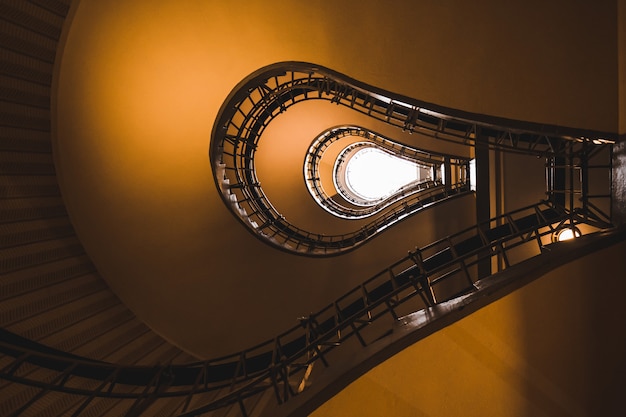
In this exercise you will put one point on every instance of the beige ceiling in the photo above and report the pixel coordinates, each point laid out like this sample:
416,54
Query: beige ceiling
139,85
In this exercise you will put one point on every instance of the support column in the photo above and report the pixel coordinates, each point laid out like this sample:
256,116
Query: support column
556,181
483,197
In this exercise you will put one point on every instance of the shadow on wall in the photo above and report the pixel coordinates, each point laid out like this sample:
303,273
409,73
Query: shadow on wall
573,338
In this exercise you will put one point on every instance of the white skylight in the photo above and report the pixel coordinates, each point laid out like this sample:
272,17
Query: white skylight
373,174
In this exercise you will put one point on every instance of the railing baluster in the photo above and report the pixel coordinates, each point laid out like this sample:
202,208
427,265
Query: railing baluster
59,379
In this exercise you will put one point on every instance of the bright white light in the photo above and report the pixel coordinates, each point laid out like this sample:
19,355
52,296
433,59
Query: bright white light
374,174
567,234
473,174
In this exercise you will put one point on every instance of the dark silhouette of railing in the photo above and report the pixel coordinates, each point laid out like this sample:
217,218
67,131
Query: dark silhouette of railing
425,277
270,91
443,270
352,207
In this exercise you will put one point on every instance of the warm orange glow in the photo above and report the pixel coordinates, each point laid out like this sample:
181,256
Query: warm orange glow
567,233
139,86
483,349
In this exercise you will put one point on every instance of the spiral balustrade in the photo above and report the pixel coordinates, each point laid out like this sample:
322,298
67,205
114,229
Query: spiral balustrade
270,91
278,370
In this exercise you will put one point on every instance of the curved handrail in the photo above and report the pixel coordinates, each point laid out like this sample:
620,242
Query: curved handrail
415,278
418,274
439,271
271,90
359,210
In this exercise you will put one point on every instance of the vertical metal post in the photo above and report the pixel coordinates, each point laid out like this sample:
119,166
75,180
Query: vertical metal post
483,197
558,181
570,164
584,180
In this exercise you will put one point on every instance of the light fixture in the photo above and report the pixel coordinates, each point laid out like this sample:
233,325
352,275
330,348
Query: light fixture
566,232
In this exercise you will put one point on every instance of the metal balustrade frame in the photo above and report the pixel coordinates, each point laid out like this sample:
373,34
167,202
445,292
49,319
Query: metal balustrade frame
425,277
358,209
271,90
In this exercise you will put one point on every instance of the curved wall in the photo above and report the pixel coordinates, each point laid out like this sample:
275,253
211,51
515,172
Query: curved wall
552,348
50,291
141,83
136,77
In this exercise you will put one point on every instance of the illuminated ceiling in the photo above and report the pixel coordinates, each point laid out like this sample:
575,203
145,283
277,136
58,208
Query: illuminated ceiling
139,86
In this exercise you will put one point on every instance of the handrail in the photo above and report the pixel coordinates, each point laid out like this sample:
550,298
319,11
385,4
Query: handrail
358,209
425,277
437,272
353,313
272,90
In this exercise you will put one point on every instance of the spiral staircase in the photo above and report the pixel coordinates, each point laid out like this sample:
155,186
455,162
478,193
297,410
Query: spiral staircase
70,347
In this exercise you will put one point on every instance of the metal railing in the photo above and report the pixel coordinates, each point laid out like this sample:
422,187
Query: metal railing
272,90
441,271
353,207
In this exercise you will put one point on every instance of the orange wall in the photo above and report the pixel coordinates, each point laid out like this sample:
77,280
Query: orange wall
553,348
139,85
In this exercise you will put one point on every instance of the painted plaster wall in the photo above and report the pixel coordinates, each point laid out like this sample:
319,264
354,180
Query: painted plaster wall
140,83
